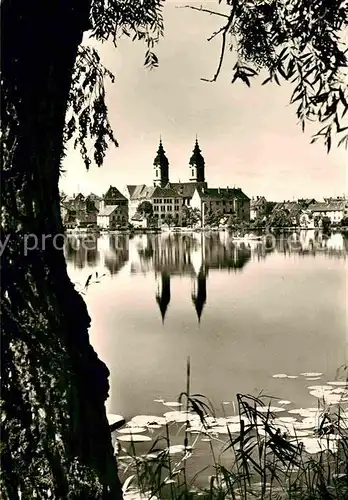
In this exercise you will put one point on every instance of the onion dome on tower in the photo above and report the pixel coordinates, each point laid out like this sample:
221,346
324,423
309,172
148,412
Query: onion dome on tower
161,165
197,164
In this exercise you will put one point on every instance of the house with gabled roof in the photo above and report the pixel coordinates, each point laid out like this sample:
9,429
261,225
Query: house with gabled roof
111,217
113,212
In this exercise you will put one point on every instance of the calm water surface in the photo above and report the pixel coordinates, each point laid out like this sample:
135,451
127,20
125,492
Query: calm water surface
242,311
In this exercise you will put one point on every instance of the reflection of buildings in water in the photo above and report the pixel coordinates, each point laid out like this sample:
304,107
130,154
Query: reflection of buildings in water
82,251
117,254
303,243
199,293
112,251
224,253
163,298
191,255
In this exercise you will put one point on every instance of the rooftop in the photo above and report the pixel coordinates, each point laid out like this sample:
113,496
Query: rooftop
106,211
327,207
213,194
114,193
186,189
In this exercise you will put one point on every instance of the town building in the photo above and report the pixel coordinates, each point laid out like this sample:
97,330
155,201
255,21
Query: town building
334,210
96,200
110,217
257,207
166,203
113,212
223,201
78,211
170,198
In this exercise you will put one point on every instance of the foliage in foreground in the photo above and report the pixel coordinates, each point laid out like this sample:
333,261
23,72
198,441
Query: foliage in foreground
261,457
298,41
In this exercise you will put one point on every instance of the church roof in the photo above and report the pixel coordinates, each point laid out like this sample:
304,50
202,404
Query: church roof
186,189
166,192
143,192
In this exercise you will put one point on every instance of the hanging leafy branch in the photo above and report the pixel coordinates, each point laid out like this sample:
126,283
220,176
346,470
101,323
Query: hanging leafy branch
87,122
87,118
300,41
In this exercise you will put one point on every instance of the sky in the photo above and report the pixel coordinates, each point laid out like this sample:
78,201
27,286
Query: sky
249,137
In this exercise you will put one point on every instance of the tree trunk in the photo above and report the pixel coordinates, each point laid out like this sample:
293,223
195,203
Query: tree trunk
55,433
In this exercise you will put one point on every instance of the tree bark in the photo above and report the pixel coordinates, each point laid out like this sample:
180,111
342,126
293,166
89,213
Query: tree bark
54,428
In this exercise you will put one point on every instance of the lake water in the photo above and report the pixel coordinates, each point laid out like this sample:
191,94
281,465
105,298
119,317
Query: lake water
243,311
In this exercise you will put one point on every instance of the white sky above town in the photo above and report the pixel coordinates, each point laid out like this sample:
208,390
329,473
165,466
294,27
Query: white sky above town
249,136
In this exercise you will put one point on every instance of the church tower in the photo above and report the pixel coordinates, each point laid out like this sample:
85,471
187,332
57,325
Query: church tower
197,165
161,165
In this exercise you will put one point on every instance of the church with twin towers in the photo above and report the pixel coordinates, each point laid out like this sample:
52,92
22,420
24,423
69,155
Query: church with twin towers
169,197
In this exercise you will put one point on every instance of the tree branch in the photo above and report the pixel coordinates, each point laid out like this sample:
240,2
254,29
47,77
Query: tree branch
200,9
224,30
215,33
222,53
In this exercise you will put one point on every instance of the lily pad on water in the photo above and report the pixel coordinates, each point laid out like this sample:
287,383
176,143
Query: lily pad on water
113,418
306,412
115,421
135,438
145,420
311,374
173,404
313,378
292,376
285,419
298,433
339,383
280,375
226,429
269,409
284,402
340,390
180,416
132,430
309,423
328,397
320,387
316,445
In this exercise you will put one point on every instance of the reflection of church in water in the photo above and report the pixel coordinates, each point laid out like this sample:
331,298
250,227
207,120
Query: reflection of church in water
194,255
190,255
